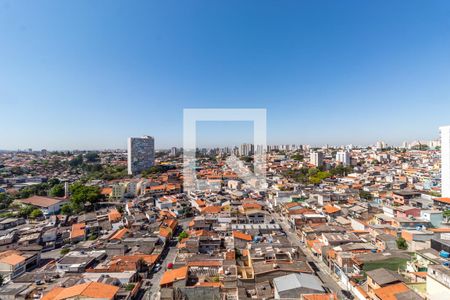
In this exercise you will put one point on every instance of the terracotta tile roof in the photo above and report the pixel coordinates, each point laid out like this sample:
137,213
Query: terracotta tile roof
119,234
214,284
165,232
91,290
12,259
200,203
291,204
106,191
443,200
420,274
212,210
205,263
78,230
41,201
171,276
114,215
389,292
439,229
171,223
329,209
251,206
230,255
124,263
241,236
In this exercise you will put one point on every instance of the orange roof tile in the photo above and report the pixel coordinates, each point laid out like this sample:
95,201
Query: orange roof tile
78,230
444,200
171,276
212,210
205,263
439,229
171,223
106,191
329,209
251,206
114,215
92,290
241,236
165,232
119,234
214,284
389,292
12,259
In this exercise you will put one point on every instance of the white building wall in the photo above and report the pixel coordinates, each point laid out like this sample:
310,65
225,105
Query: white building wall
436,290
445,161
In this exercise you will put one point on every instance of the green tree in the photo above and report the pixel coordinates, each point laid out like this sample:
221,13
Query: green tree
67,209
92,157
83,196
340,170
298,157
57,191
35,213
365,195
25,211
183,235
402,244
446,214
64,251
5,200
76,161
318,177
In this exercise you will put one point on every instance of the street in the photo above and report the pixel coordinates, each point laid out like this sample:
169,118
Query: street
317,265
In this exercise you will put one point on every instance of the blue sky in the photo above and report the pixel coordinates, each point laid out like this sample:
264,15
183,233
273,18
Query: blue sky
88,74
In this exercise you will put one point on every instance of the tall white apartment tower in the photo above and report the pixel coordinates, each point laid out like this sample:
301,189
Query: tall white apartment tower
343,157
445,161
316,158
141,154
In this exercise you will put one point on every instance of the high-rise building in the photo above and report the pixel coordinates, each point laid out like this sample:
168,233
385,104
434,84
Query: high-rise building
173,152
141,154
343,157
316,158
246,150
445,161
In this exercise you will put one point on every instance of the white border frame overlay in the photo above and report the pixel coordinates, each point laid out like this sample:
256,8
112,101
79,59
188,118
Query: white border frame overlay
255,179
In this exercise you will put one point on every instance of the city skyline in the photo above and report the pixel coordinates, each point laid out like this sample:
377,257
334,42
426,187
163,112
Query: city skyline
321,78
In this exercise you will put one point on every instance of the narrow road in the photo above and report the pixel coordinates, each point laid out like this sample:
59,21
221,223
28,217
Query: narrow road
153,292
321,270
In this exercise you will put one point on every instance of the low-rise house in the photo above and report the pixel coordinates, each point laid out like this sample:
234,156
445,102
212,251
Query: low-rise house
438,282
12,264
78,261
294,285
90,290
48,205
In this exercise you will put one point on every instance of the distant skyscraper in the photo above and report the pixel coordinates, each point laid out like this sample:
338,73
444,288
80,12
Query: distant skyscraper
381,145
343,157
173,152
246,150
316,158
445,161
141,154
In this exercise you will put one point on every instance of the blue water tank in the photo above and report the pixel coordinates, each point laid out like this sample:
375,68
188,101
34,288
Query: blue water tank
444,254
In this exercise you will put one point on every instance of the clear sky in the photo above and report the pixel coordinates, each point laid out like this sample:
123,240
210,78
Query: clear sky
88,74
